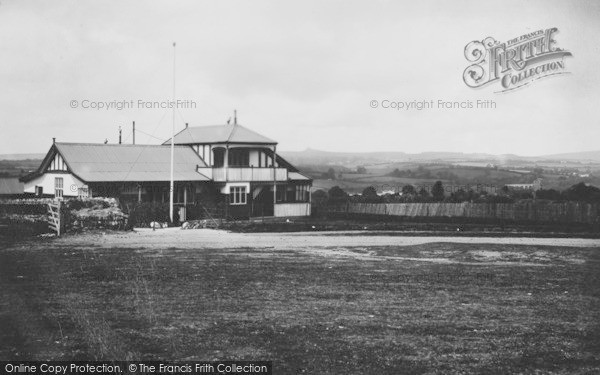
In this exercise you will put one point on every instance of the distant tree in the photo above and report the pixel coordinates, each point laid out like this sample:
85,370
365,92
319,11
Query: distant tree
583,193
330,175
395,173
459,196
549,194
408,190
494,199
424,195
390,198
337,195
319,198
437,191
361,170
369,194
423,172
521,194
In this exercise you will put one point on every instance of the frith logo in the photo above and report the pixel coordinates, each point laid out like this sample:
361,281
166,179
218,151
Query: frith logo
515,63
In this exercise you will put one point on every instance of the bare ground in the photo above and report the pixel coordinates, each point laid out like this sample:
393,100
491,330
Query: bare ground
218,239
315,303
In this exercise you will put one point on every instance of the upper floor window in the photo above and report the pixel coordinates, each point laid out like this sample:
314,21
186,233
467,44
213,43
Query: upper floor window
239,157
218,157
264,159
58,187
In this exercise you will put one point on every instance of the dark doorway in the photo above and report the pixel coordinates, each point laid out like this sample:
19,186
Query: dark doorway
262,205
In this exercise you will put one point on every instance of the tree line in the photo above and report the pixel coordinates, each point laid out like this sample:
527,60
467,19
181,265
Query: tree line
580,192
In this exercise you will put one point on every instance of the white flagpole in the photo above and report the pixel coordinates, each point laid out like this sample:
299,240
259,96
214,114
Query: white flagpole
172,142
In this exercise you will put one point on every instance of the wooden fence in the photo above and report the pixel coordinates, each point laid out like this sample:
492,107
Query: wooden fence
565,212
54,217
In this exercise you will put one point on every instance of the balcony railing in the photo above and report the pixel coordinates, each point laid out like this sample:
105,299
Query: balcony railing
244,174
292,209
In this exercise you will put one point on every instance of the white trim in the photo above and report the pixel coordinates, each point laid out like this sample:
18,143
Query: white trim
225,189
57,164
243,195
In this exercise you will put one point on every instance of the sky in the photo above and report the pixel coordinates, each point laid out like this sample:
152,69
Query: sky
304,73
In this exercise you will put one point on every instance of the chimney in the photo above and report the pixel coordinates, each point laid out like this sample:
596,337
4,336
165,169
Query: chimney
186,125
119,135
234,117
133,132
53,140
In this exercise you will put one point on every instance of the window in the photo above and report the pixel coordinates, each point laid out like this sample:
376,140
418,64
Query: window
58,187
302,193
237,195
83,192
239,157
39,191
264,160
218,157
281,193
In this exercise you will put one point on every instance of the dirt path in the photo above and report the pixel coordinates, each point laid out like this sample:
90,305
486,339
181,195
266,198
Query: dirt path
209,238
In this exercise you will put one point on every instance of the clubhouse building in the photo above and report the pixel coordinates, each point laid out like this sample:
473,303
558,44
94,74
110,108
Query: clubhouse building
229,165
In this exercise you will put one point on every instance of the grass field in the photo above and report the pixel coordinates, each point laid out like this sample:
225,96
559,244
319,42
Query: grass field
311,303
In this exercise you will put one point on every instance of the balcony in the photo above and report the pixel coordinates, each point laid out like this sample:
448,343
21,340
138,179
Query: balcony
244,174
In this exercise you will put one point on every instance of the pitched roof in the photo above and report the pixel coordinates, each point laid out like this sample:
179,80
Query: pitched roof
93,162
297,176
11,186
230,133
